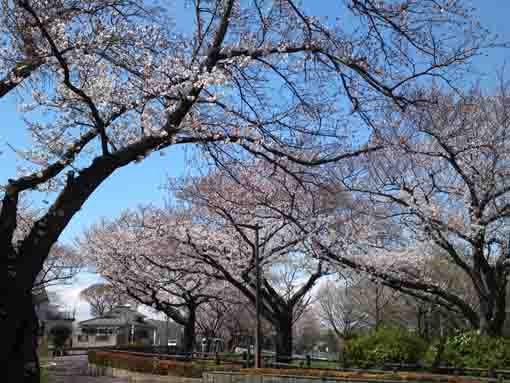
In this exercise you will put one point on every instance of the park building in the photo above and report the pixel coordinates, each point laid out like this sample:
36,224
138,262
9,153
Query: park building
121,326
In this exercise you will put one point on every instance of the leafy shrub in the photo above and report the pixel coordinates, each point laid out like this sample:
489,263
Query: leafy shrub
472,350
386,345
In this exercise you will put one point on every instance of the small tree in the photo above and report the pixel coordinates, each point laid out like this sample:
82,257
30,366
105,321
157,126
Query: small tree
140,263
60,334
102,297
258,208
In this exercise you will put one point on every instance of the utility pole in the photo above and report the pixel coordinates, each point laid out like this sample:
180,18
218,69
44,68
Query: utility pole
258,332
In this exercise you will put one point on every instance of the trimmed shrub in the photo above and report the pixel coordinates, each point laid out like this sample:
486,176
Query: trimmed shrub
472,350
386,345
138,363
150,364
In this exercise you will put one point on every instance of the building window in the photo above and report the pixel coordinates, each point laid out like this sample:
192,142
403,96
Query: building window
102,338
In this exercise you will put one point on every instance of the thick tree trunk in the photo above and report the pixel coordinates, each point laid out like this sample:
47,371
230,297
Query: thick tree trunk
19,358
492,315
284,338
189,333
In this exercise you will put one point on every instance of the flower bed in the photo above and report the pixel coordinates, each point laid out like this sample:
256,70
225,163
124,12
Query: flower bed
151,364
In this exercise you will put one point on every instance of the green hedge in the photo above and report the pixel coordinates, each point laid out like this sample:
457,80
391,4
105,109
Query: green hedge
472,350
386,345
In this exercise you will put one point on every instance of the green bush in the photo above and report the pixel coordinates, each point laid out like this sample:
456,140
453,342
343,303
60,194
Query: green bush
472,350
386,345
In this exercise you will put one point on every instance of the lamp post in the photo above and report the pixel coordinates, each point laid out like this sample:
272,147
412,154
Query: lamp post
258,335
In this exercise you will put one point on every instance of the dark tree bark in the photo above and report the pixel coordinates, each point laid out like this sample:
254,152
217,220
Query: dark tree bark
19,360
284,340
493,314
188,344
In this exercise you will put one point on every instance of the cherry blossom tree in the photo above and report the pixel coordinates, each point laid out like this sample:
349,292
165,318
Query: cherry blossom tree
102,298
338,310
231,318
132,254
444,179
226,318
117,82
261,206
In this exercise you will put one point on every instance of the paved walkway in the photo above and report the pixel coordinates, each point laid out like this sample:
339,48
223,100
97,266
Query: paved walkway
73,369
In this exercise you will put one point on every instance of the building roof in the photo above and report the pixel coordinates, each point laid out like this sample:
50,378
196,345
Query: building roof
118,317
104,321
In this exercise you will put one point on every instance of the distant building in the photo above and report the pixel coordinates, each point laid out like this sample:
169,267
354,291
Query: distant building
120,326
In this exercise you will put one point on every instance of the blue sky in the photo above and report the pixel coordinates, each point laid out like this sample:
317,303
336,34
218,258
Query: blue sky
140,183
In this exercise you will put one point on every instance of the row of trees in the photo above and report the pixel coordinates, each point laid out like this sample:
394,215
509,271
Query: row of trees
336,311
403,223
107,82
